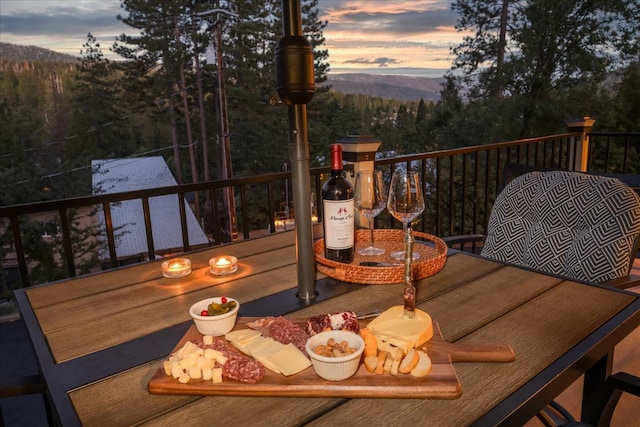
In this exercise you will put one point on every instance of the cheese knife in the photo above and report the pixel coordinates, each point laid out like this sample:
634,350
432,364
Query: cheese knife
409,289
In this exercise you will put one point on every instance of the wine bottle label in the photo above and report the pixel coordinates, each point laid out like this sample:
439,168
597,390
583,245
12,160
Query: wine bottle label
338,224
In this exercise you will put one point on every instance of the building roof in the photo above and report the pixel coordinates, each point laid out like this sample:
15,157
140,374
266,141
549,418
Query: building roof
120,175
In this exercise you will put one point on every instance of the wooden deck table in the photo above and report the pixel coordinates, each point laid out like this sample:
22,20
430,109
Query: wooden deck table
100,338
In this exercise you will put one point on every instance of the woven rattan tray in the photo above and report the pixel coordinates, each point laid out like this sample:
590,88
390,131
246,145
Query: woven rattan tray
432,258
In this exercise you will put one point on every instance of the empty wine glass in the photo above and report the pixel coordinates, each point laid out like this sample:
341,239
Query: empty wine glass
406,202
370,199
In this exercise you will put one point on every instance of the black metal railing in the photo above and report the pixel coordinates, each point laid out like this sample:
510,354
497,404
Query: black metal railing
614,152
460,187
269,188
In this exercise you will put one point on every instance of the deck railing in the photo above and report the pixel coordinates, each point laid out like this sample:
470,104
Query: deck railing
460,187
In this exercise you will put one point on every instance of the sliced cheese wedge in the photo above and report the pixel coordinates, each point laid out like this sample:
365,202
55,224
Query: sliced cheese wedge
265,359
247,346
290,360
392,326
265,345
242,335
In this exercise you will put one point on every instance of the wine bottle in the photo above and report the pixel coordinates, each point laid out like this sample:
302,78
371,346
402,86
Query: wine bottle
337,203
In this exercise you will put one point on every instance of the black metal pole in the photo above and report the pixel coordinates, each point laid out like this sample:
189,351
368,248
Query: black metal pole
296,84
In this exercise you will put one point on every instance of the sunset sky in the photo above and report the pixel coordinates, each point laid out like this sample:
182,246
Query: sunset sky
411,37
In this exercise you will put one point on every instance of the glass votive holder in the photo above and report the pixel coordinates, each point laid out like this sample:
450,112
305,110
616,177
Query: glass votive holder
177,267
223,264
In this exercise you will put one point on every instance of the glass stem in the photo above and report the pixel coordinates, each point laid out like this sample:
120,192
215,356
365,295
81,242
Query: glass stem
407,233
370,232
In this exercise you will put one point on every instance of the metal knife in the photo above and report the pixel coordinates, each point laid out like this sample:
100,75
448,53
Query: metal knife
409,289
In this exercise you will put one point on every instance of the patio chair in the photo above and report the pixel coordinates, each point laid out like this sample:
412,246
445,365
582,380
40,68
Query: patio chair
576,225
616,384
570,224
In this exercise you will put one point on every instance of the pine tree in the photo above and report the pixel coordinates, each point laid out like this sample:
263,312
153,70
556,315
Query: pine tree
550,44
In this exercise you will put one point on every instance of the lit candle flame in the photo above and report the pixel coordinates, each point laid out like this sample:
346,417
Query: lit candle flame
223,262
176,265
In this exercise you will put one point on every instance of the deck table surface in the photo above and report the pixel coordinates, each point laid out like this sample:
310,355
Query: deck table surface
100,338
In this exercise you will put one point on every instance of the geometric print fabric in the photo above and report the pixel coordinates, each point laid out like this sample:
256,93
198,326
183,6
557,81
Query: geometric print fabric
565,223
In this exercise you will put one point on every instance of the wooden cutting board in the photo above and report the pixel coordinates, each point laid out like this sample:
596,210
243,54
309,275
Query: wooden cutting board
441,383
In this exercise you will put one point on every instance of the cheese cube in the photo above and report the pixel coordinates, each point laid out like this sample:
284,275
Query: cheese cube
205,362
216,375
188,362
176,370
212,354
207,339
207,374
184,378
195,372
167,367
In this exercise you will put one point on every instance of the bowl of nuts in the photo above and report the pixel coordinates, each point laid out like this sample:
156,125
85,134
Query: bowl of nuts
335,355
215,316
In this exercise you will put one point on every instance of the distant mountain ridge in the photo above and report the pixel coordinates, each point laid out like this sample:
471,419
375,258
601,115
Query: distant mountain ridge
387,86
17,52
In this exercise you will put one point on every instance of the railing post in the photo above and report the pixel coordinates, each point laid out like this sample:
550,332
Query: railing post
579,156
360,150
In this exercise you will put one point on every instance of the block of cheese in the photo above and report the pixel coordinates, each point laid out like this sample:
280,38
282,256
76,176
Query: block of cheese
392,325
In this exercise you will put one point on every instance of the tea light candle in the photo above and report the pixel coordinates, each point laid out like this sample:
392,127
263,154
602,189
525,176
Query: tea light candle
224,264
177,267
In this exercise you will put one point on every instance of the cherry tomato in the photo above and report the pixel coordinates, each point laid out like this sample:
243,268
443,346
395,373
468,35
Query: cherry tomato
223,300
204,313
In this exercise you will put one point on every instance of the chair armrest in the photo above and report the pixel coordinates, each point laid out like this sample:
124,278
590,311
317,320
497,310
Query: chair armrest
626,382
17,386
463,238
622,282
615,385
466,242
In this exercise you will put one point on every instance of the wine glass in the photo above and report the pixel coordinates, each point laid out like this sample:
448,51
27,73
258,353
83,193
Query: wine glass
406,202
370,200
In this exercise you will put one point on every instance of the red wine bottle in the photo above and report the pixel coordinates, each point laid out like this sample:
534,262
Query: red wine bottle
337,204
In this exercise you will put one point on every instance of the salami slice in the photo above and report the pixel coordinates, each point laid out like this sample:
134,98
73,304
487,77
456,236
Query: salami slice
238,366
343,320
282,330
245,370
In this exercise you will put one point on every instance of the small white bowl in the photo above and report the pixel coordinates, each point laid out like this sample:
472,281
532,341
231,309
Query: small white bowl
214,325
335,368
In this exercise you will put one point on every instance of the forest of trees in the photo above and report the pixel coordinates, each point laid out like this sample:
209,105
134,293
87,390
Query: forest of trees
524,73
162,99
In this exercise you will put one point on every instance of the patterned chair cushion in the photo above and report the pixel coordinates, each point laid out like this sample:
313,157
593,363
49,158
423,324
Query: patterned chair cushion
566,223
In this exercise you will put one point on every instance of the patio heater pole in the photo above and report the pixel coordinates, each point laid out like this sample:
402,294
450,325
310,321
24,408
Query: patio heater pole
295,83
